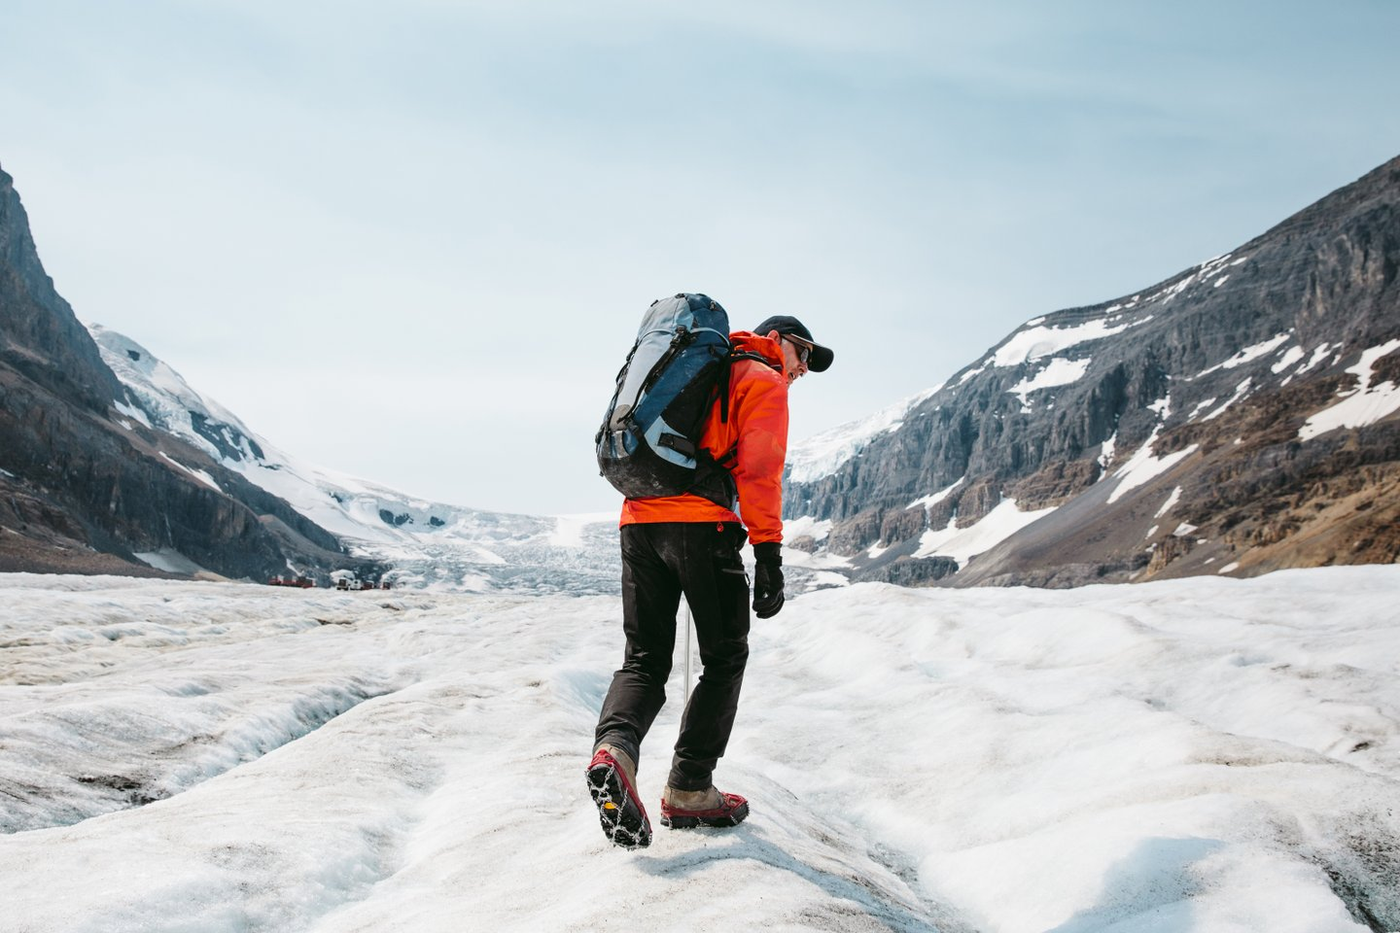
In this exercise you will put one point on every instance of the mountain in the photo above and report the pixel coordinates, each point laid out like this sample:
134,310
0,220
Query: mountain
413,542
83,488
1237,418
111,463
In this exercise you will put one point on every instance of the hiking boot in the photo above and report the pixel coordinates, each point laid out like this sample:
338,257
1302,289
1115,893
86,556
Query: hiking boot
686,809
611,781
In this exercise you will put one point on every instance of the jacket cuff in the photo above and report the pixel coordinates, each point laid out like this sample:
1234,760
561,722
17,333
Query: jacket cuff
768,552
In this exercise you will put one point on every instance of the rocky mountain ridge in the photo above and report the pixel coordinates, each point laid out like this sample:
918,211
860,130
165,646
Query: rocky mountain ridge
1237,417
88,487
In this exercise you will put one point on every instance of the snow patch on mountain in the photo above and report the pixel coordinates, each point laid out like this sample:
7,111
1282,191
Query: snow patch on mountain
1058,372
171,561
807,527
1290,356
1366,404
1249,354
1202,273
132,412
200,475
161,391
1241,391
930,501
1318,356
1107,451
1170,504
1032,343
963,544
1144,466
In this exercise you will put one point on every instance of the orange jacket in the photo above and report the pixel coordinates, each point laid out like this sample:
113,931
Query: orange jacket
757,429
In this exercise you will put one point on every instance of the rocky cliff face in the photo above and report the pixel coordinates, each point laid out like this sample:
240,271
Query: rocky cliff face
1238,417
85,486
40,338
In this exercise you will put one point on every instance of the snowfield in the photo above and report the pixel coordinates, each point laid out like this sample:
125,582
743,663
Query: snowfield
1204,754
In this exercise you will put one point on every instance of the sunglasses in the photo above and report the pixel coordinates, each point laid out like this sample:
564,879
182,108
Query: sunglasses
804,349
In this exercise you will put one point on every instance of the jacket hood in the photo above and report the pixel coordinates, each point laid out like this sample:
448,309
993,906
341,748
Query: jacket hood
766,347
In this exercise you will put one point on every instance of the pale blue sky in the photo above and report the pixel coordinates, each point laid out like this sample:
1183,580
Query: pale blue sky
412,241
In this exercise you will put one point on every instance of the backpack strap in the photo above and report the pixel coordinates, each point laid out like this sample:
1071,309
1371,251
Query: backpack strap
733,357
714,481
714,478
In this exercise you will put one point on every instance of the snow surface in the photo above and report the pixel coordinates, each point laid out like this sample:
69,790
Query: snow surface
1195,755
571,529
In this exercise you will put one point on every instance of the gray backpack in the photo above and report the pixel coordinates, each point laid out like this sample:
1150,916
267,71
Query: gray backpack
649,442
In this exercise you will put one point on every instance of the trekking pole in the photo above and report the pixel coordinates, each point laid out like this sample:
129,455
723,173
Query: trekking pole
687,652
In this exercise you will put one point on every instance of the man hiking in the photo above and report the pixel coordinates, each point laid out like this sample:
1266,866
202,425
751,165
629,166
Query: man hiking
689,545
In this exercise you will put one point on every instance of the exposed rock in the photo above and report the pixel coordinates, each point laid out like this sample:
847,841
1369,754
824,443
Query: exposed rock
40,338
1056,483
855,534
910,571
976,500
900,525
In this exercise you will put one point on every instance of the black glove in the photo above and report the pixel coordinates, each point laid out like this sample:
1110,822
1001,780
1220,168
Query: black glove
767,579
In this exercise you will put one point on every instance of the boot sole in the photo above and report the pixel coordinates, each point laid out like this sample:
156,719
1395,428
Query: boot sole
624,821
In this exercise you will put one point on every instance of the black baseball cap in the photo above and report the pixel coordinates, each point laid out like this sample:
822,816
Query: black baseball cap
819,359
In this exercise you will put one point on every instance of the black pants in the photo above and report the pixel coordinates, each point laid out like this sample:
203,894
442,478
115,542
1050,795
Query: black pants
660,562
